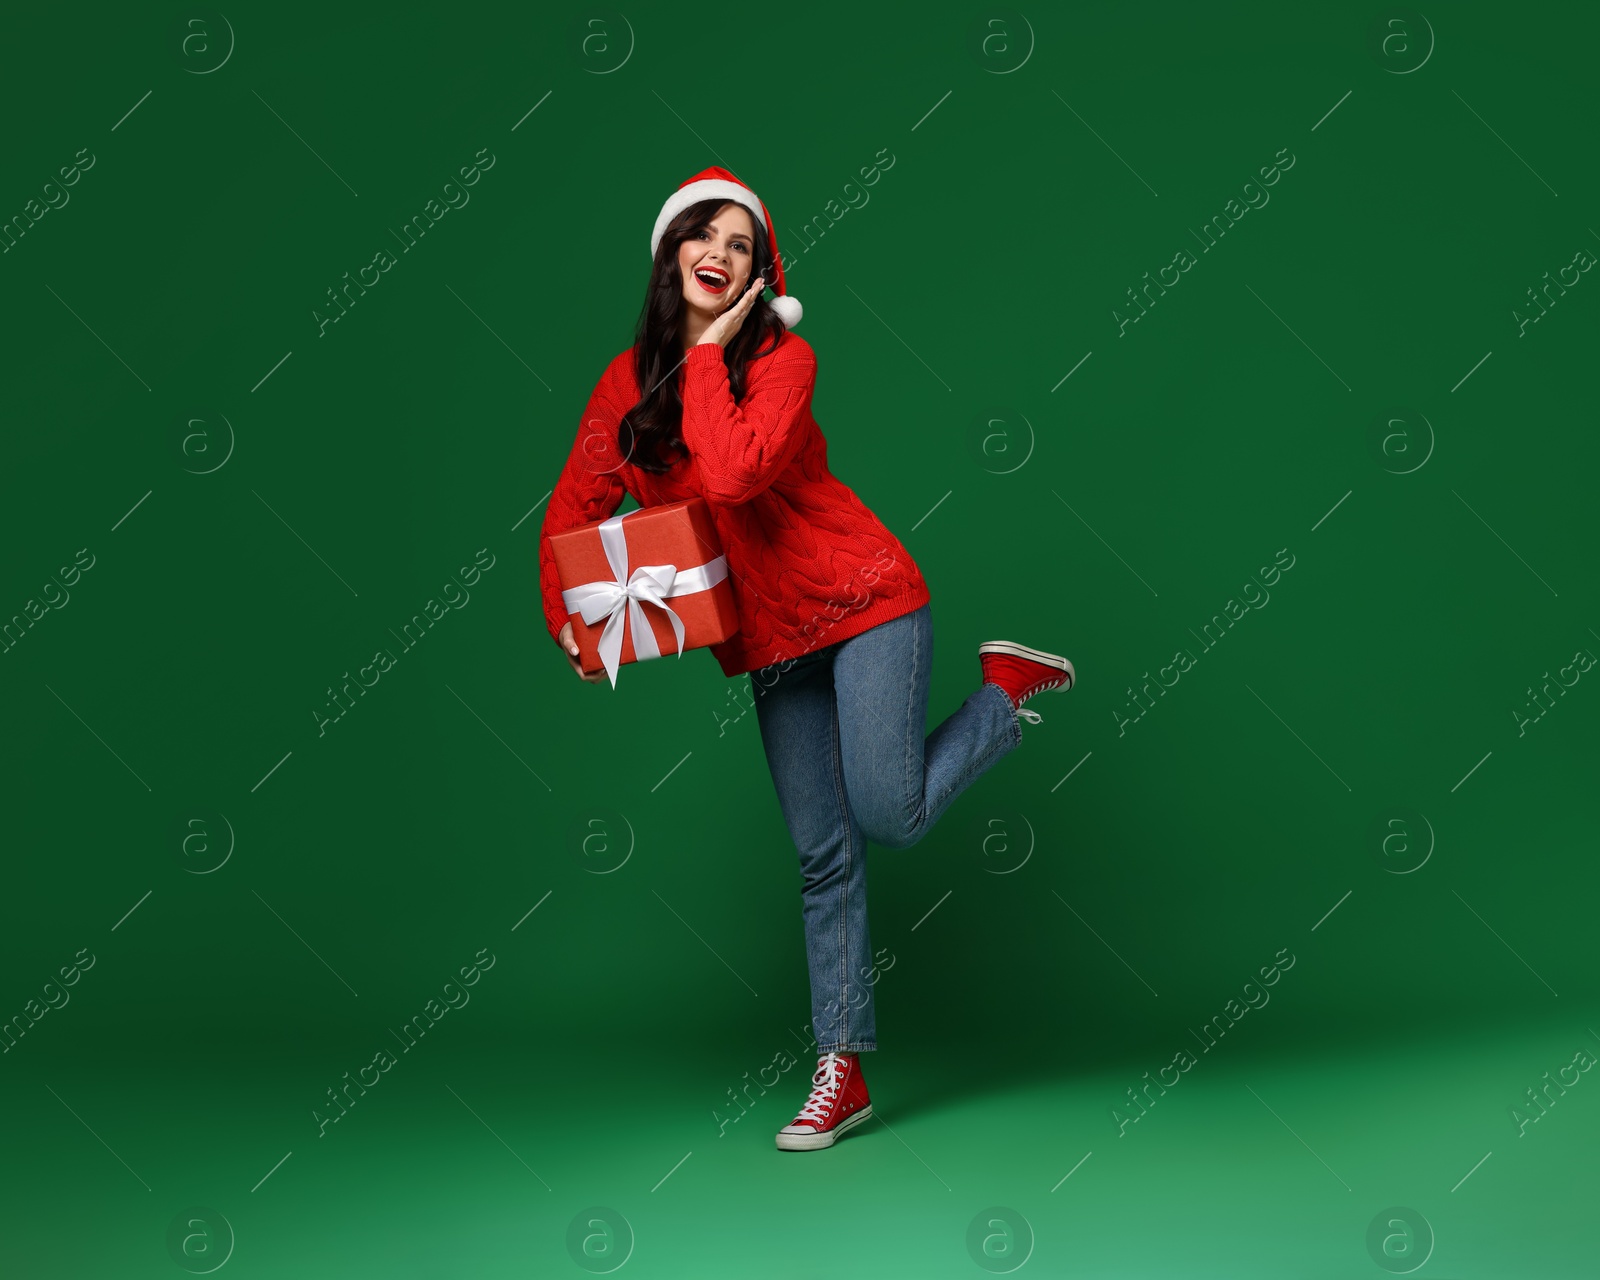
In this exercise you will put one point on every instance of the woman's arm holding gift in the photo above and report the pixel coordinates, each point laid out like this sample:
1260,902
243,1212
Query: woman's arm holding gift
742,448
588,489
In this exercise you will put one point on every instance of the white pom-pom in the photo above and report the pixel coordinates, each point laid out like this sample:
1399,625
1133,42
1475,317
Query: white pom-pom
788,309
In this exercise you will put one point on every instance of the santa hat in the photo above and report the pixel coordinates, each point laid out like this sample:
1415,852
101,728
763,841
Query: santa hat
717,183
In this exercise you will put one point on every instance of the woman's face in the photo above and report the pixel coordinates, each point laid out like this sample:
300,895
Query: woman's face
716,261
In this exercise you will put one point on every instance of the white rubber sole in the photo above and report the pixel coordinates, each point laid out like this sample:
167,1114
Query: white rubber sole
816,1141
1033,655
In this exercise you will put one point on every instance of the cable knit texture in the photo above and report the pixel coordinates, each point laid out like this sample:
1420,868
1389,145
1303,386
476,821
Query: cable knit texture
809,563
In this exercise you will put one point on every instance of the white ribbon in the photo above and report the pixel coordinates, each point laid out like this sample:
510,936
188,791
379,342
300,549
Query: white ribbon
617,599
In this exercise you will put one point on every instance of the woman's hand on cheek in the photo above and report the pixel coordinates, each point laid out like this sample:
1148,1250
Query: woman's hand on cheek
722,329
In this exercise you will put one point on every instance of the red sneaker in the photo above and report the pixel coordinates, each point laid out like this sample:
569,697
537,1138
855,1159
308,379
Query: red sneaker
838,1103
1023,672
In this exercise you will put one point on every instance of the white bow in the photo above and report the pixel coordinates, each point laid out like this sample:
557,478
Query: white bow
617,599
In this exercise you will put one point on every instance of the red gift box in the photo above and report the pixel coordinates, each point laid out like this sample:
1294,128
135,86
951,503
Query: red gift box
623,579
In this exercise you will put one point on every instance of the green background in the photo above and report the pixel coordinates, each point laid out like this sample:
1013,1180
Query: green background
1161,864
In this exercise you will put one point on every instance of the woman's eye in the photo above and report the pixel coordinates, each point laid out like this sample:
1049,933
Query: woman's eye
700,235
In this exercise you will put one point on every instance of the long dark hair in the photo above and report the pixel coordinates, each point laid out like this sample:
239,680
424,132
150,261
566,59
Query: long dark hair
650,433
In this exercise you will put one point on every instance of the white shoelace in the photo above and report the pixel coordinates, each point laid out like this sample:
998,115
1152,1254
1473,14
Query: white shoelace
1028,713
824,1090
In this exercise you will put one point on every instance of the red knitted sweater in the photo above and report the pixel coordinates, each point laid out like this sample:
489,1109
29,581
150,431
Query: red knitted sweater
809,563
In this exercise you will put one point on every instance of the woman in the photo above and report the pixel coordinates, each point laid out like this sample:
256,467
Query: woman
835,625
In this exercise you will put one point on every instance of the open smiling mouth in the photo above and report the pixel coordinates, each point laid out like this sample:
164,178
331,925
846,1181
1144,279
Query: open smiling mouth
712,280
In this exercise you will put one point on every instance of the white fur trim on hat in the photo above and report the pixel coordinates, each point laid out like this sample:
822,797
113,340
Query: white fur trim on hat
705,189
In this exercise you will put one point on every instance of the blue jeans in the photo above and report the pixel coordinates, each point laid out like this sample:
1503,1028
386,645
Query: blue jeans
842,727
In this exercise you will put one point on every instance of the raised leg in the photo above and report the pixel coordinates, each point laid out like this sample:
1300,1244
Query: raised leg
898,781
